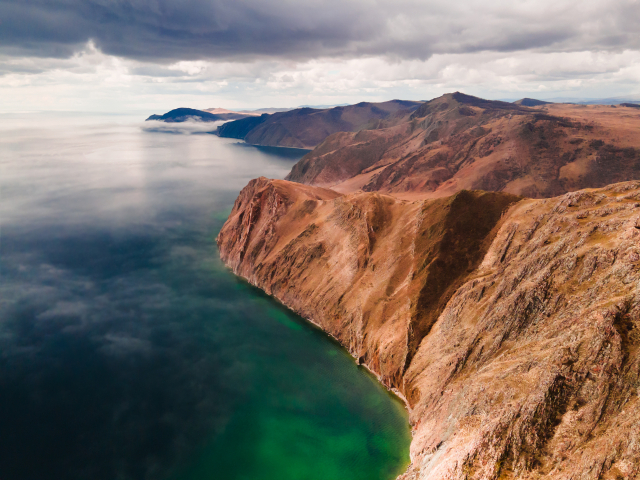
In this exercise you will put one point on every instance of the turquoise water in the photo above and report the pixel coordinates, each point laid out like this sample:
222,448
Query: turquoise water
129,351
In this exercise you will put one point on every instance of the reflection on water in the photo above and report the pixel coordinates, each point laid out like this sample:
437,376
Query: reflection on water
128,351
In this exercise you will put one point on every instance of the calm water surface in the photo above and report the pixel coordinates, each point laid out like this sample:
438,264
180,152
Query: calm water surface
128,350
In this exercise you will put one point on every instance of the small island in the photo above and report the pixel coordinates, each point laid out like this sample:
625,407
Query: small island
179,115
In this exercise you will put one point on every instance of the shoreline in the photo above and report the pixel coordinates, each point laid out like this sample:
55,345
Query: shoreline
394,391
243,142
275,146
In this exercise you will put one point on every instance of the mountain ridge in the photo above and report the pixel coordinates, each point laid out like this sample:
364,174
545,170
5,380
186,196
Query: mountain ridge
307,127
459,142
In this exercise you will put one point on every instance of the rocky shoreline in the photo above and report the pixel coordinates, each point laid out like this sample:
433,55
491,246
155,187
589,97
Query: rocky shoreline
530,365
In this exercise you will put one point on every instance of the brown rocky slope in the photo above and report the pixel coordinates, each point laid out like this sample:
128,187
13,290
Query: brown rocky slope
510,325
458,142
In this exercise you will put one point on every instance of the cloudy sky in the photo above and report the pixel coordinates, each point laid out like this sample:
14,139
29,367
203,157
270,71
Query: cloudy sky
114,55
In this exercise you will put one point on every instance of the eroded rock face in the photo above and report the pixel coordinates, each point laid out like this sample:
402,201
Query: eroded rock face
373,271
511,326
532,368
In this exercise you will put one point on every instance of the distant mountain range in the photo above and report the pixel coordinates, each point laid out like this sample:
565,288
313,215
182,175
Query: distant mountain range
598,101
307,127
216,114
635,99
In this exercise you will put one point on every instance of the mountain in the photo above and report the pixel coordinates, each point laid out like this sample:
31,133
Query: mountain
307,127
184,114
361,248
510,326
458,142
530,102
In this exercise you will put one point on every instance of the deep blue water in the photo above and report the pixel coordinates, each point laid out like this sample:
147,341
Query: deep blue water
128,350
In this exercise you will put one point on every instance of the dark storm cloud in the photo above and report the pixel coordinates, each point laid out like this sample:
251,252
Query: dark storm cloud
165,30
168,30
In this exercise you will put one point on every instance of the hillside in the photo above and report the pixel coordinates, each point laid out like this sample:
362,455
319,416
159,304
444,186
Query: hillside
511,326
240,128
460,142
307,127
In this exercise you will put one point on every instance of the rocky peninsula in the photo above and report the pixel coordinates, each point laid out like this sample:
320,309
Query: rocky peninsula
511,325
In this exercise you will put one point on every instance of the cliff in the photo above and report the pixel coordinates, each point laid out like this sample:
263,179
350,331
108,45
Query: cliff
510,325
307,127
457,142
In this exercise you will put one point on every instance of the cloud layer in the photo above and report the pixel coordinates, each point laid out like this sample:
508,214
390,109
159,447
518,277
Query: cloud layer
330,51
168,31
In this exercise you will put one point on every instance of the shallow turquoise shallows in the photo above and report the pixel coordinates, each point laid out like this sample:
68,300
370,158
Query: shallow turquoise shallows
129,351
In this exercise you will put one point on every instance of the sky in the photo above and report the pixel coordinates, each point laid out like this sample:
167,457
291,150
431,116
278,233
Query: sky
155,55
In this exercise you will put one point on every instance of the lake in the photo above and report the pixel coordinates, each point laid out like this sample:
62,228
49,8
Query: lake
129,351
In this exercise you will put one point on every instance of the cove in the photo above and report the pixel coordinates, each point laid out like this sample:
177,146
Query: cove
129,351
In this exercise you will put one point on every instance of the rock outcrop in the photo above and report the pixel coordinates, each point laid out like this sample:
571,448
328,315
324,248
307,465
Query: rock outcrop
510,325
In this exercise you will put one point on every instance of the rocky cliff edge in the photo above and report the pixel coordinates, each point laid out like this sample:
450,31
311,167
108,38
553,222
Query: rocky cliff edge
510,325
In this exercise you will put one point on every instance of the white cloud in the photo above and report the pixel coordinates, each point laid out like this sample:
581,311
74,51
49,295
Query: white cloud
93,80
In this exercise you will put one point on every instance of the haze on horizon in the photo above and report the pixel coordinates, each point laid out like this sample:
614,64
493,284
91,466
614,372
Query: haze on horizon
154,55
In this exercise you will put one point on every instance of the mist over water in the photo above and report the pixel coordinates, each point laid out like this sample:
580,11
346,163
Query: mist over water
128,350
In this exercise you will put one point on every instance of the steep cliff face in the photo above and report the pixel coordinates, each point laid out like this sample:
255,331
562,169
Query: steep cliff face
511,326
532,368
373,271
460,142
